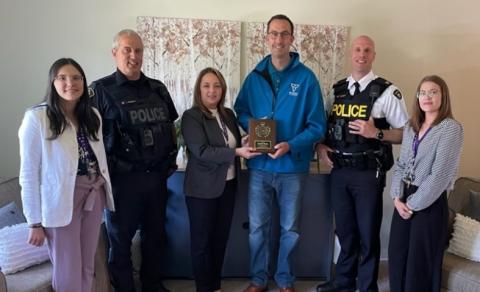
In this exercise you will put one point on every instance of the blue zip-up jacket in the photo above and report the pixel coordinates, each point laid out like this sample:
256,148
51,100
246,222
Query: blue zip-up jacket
299,113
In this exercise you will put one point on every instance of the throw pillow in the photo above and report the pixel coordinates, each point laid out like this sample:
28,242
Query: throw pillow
451,221
10,214
15,252
465,241
473,208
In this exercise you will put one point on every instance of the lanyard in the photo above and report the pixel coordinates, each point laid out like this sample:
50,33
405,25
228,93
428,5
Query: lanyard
416,142
224,129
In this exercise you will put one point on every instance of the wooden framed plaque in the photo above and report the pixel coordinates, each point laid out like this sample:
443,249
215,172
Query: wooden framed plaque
262,135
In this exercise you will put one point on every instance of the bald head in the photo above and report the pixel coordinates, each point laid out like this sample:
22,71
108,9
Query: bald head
364,39
362,56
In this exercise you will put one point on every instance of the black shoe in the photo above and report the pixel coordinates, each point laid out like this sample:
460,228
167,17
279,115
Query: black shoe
332,287
158,288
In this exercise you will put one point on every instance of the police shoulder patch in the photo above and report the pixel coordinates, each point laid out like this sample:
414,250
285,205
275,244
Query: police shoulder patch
91,92
397,94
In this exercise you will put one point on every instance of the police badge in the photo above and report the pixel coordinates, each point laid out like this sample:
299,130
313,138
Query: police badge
262,135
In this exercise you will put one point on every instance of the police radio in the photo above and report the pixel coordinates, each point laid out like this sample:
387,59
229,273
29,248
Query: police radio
147,140
374,93
338,129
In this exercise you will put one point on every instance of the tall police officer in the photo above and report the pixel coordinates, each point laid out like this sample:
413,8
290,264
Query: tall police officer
367,116
138,115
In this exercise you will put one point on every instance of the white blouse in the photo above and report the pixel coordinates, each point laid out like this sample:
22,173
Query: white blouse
232,142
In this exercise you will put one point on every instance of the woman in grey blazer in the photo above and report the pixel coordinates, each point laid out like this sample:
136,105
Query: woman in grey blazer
213,143
426,169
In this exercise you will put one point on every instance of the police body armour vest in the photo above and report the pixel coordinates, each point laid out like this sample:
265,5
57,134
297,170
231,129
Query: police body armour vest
347,108
145,131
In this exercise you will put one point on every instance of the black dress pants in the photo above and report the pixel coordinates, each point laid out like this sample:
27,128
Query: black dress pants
140,202
415,252
357,197
210,221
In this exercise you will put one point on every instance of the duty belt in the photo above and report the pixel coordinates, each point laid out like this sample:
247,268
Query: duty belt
358,160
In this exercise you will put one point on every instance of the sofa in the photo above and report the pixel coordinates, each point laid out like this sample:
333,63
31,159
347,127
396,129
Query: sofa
460,274
38,278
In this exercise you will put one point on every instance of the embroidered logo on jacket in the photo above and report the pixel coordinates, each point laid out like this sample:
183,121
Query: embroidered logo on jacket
294,87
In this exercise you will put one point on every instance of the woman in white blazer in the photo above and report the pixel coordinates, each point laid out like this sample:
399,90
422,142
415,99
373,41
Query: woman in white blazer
64,176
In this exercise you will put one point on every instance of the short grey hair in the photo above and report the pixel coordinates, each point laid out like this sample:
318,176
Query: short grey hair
127,32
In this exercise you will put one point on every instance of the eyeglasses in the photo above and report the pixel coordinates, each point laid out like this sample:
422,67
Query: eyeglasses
276,34
430,93
73,78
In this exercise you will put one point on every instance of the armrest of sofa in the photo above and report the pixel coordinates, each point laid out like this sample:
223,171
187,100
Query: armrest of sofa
10,192
3,283
459,197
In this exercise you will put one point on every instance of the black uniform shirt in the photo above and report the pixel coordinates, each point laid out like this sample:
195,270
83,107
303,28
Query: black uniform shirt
105,90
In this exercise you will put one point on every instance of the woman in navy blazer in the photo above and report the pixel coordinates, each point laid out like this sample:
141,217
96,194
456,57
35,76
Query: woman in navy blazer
213,143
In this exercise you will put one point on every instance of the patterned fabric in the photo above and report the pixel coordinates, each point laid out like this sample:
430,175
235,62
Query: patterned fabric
465,241
217,43
87,162
177,60
434,168
15,253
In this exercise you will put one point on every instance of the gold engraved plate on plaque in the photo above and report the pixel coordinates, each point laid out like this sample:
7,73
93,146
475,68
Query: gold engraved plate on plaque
262,135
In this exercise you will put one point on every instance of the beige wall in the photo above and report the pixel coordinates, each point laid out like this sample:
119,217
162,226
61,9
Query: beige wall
441,37
412,39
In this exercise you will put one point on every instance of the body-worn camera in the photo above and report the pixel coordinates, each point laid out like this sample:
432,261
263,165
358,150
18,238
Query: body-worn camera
338,129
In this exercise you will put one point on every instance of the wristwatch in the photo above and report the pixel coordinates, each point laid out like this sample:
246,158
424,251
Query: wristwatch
379,134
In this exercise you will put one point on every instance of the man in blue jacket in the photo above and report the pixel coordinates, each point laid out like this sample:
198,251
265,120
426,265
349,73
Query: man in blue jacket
283,89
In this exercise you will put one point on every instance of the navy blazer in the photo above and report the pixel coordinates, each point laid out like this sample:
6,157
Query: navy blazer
208,156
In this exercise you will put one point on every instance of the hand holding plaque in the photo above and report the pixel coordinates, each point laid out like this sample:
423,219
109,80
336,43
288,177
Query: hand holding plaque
262,135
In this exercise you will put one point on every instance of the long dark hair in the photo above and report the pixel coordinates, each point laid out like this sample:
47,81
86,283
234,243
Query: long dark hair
87,120
197,95
445,110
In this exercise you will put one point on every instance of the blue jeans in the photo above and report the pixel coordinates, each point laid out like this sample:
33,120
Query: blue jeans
287,187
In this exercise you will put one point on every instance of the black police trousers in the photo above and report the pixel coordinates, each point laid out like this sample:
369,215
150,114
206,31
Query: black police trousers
357,198
415,252
140,203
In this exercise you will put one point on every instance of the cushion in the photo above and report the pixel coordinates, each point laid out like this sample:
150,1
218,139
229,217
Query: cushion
460,274
465,241
472,210
15,252
451,221
10,214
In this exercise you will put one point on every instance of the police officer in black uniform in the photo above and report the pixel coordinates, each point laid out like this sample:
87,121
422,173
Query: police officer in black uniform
138,115
367,116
